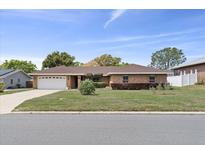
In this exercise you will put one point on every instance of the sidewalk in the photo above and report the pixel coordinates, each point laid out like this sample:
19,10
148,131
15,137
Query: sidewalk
112,113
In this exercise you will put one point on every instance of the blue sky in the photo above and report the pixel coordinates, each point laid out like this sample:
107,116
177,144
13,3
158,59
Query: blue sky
132,35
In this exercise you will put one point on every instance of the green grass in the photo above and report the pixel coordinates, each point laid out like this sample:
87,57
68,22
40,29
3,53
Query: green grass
179,99
13,91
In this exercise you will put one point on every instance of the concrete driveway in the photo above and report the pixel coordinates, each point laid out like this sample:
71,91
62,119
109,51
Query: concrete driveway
10,101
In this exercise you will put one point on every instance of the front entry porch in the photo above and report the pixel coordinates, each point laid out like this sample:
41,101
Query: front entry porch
73,82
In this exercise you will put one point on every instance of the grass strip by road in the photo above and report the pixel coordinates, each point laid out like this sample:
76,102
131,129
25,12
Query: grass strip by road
14,91
180,99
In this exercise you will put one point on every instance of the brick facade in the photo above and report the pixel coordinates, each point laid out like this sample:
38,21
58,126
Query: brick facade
35,82
138,78
200,69
106,79
71,80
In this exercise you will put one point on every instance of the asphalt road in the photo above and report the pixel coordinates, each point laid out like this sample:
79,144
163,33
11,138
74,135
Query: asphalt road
101,129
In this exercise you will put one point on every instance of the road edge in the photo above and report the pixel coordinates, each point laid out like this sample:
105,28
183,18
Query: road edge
111,112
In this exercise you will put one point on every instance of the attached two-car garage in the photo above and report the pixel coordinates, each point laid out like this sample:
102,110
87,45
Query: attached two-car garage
52,82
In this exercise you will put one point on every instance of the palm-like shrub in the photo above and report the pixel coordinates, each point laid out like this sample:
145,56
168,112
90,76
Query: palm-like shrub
2,86
87,87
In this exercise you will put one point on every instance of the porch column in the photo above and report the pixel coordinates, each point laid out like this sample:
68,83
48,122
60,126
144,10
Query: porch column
184,72
79,80
68,82
181,73
35,78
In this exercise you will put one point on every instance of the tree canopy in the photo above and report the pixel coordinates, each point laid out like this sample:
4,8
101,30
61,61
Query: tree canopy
26,66
167,58
57,58
105,60
108,60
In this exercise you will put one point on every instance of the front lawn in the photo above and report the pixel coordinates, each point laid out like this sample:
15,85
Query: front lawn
180,99
14,91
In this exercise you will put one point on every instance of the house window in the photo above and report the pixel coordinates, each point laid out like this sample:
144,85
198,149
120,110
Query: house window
152,79
11,81
125,79
95,77
19,80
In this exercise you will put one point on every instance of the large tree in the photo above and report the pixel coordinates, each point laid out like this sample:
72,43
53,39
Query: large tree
108,60
57,58
167,58
104,60
26,66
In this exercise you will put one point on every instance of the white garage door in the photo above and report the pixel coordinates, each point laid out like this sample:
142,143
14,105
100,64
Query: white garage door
52,82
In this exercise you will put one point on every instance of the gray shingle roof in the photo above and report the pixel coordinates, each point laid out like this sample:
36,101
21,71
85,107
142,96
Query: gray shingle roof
190,63
5,71
105,70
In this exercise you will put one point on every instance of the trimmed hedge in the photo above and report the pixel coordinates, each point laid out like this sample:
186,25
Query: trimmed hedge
132,86
2,86
87,87
99,84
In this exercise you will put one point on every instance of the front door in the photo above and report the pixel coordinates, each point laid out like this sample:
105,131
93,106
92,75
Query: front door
74,82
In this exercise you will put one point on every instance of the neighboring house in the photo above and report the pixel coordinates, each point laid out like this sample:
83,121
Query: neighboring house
188,73
63,77
14,78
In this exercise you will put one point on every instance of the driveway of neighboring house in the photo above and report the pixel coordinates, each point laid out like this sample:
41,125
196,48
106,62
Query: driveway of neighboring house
10,101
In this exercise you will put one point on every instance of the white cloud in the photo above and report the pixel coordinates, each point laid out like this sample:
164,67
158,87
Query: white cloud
183,39
115,14
141,43
192,57
141,37
47,15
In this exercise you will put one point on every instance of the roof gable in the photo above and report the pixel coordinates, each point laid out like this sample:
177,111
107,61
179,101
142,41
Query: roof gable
13,72
5,71
190,63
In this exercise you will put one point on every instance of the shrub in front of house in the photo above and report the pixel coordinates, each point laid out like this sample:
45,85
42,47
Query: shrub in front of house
87,87
200,83
160,87
169,87
99,84
131,86
2,86
18,85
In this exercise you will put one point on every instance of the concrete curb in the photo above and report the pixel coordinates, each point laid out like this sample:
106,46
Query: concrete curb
111,113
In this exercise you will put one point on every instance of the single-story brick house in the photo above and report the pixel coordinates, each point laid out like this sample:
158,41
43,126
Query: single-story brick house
63,77
190,67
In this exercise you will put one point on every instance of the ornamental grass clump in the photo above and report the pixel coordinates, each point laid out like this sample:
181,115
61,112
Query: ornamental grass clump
87,87
2,86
